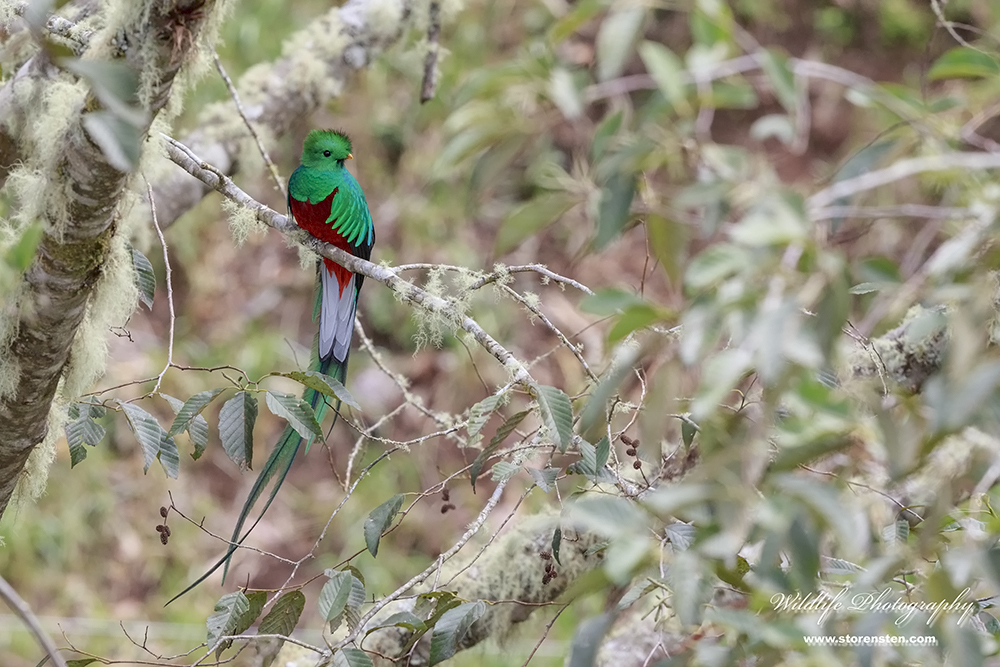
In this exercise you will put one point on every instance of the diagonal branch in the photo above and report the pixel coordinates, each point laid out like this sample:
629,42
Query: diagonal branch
212,178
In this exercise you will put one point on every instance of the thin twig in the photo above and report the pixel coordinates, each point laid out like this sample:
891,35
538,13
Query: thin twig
170,288
900,170
239,107
21,608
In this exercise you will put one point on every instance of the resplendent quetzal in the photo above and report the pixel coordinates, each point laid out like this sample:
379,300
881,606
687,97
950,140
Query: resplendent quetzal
325,200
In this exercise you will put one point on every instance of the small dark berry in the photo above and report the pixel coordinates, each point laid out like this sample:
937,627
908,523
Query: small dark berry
159,528
630,451
166,530
548,567
546,579
445,495
553,573
163,538
163,512
637,465
444,509
451,506
628,441
545,555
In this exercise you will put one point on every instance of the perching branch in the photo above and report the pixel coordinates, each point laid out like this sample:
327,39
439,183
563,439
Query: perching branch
183,157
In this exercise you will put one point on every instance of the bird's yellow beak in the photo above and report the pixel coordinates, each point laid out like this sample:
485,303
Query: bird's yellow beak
350,157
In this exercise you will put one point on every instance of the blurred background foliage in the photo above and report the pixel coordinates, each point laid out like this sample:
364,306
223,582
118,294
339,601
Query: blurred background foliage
664,155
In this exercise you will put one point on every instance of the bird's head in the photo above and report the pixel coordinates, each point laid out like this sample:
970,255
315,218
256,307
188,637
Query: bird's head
326,149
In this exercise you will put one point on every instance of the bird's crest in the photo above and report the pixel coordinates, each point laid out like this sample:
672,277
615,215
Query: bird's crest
326,148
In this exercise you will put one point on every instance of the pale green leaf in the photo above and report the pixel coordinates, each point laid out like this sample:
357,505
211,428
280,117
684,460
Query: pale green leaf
145,279
452,628
379,520
192,408
236,421
615,39
299,414
155,441
556,412
228,611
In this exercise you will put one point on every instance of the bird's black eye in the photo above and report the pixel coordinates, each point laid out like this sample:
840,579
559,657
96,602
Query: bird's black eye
326,153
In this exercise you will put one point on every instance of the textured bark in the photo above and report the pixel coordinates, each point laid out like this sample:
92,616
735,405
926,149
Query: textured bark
68,263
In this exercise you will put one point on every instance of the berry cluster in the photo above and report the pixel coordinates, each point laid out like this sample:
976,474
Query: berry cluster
163,529
447,505
633,450
550,570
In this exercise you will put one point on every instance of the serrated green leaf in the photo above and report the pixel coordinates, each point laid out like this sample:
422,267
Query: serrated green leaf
299,414
198,430
451,628
545,478
615,39
351,657
192,408
840,566
401,619
145,279
333,598
228,611
379,521
503,470
613,211
21,254
505,430
236,420
155,441
681,535
964,63
556,544
246,619
603,452
480,414
82,430
556,412
284,615
324,384
898,532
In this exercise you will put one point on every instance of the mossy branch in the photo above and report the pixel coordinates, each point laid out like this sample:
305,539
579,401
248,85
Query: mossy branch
82,190
214,179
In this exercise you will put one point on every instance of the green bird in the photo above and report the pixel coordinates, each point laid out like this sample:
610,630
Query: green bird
325,200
